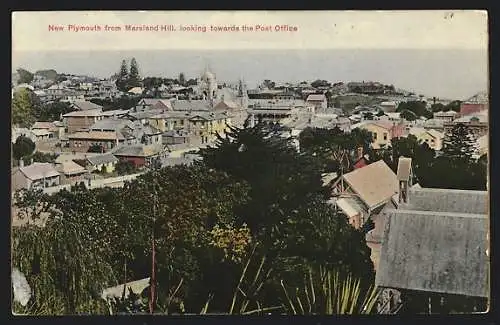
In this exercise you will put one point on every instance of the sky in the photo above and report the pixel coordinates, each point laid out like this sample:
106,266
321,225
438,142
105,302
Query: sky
438,53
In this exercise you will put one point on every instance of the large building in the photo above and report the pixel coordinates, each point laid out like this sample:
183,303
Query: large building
435,251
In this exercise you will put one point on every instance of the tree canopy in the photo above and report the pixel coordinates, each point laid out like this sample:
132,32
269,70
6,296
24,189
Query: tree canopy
23,108
23,147
24,76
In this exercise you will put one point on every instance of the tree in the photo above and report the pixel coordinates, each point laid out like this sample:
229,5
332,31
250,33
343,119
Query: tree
125,167
22,108
49,74
191,82
438,107
24,76
134,80
269,84
122,78
458,144
408,115
453,106
23,147
52,111
96,148
320,83
182,79
417,107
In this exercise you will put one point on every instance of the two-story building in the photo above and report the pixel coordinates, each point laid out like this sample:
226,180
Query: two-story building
318,101
82,120
382,132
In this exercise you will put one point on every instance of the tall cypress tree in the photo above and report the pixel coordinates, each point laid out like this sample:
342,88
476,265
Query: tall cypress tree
122,80
134,80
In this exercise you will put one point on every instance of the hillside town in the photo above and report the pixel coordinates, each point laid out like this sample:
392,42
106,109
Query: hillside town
384,155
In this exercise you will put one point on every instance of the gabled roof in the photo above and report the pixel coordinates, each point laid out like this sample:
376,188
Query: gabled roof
111,124
38,171
441,252
102,159
137,151
375,183
70,168
316,97
85,105
191,105
43,125
90,113
96,135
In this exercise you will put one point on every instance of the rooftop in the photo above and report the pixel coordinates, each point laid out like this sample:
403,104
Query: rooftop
375,183
38,171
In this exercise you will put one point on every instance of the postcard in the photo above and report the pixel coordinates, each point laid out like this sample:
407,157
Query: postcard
250,162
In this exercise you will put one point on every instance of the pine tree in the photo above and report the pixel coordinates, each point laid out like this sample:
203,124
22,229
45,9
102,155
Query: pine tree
182,79
122,78
134,80
458,144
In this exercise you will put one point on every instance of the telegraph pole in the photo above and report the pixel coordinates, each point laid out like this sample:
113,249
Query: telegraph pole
152,300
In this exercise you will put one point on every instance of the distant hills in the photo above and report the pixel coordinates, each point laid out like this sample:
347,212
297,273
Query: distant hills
50,74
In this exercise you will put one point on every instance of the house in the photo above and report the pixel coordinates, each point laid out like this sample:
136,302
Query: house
367,189
318,101
136,91
56,91
157,103
54,129
433,138
435,251
70,170
41,134
383,132
389,106
176,137
477,123
445,116
104,162
36,175
82,120
140,155
475,104
81,141
85,106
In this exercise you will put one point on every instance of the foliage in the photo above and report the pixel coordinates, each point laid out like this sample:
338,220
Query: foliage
41,157
125,167
49,74
233,241
123,102
96,148
269,84
122,78
417,107
134,79
320,83
182,79
24,76
23,147
52,111
327,292
458,145
22,108
334,148
408,115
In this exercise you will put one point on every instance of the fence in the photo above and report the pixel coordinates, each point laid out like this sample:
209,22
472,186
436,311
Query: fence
106,182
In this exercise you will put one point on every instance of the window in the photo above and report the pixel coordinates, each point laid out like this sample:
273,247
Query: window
385,136
432,140
374,135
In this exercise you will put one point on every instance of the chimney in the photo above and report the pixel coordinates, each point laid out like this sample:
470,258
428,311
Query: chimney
21,163
404,175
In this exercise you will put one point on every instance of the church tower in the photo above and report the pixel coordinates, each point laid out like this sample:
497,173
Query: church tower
242,94
208,85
